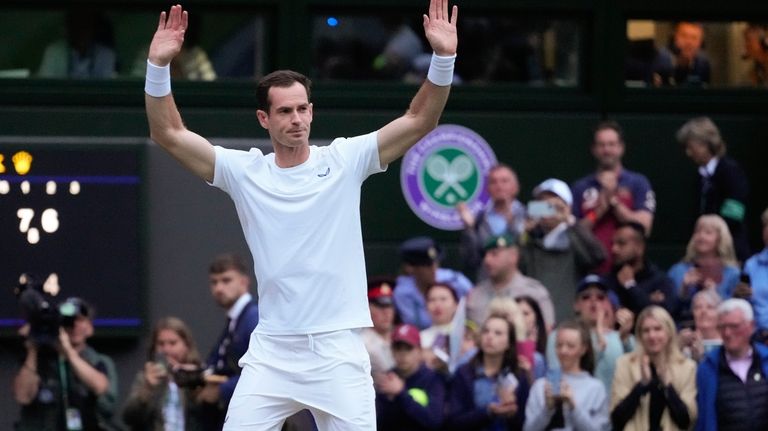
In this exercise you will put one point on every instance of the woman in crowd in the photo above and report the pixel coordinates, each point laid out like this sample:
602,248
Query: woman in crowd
490,391
442,304
655,386
535,331
709,264
163,396
569,398
695,342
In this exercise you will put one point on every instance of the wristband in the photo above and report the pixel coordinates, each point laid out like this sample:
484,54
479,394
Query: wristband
441,70
158,83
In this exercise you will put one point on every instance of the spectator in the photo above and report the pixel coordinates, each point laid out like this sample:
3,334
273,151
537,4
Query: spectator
528,359
655,386
411,396
699,340
613,194
421,269
502,255
709,263
555,250
490,391
756,267
164,393
636,281
442,306
378,339
594,308
65,378
87,52
578,401
723,185
756,49
229,283
504,215
731,381
535,328
683,62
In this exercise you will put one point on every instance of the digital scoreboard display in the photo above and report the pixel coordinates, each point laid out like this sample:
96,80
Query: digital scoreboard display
70,215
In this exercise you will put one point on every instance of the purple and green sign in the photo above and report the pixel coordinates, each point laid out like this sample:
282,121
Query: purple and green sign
448,166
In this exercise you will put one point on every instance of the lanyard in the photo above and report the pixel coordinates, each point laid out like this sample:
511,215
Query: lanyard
64,382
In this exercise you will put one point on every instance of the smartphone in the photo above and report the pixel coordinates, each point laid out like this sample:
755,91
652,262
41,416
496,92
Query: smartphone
539,209
553,377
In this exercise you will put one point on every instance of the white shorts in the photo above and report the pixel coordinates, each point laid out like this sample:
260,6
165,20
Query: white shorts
329,374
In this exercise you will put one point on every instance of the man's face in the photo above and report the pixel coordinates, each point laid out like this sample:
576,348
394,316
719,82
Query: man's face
562,210
424,275
626,248
227,287
698,152
290,116
607,149
502,185
688,38
80,331
735,331
498,262
383,317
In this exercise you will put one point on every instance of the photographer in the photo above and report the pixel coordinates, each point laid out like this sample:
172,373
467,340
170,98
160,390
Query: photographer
164,394
64,384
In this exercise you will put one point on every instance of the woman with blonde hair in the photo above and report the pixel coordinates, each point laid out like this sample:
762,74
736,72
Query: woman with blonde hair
654,387
163,396
709,264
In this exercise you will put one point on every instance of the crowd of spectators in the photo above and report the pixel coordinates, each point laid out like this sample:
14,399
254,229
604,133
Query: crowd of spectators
547,336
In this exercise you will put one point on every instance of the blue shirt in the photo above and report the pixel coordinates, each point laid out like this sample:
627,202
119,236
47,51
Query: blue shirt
757,269
411,304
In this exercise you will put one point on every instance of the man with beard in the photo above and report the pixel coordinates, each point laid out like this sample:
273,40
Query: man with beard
636,281
612,194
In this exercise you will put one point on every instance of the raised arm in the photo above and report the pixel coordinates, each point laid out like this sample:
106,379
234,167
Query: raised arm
165,124
426,107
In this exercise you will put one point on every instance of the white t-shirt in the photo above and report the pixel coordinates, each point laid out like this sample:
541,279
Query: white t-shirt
302,225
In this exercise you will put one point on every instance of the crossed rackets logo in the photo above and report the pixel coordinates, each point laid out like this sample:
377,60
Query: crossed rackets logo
450,176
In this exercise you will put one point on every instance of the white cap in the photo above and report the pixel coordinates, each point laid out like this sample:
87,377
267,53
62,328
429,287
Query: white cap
557,187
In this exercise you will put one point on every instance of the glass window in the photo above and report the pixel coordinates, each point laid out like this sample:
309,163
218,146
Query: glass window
696,54
85,43
525,50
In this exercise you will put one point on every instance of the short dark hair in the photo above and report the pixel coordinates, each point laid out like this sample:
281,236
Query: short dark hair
225,262
446,286
608,125
279,78
635,226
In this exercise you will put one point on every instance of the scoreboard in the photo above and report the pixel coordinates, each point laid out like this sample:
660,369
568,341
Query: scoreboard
70,213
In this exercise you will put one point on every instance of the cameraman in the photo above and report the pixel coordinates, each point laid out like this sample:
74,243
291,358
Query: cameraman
163,396
65,384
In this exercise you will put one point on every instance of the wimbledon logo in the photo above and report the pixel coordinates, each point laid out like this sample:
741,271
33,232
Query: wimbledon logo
448,166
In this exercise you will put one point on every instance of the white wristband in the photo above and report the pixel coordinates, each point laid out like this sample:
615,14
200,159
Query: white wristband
441,70
158,83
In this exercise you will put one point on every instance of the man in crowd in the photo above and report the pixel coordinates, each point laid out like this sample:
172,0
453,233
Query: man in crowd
64,384
505,280
731,381
555,249
636,281
503,215
683,62
613,194
421,269
378,339
229,283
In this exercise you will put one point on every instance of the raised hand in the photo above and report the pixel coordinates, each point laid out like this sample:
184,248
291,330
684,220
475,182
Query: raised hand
169,36
439,29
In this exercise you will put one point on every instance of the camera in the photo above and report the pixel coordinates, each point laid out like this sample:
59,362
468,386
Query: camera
183,377
44,314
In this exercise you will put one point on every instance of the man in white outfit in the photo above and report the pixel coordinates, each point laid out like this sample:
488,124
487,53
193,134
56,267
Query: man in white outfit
299,210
